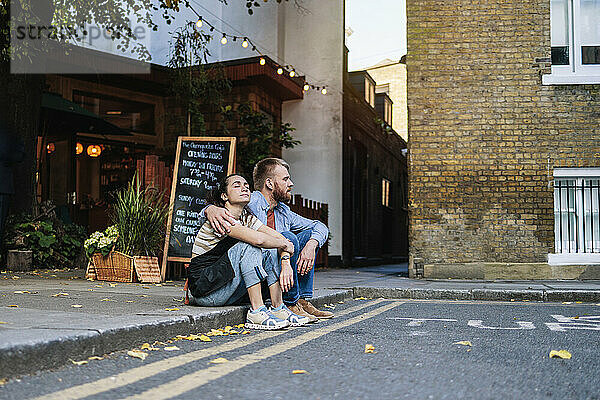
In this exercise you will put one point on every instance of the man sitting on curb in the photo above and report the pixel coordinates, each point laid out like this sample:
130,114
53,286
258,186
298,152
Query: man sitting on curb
273,187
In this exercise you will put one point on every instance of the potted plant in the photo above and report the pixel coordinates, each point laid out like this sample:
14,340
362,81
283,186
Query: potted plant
139,217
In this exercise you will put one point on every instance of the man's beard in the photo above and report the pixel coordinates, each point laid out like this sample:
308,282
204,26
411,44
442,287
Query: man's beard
282,195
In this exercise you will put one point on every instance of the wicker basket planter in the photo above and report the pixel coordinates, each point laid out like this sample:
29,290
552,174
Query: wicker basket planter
119,267
115,267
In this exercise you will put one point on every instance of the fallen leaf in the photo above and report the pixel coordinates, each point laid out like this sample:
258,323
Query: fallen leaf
21,291
3,381
105,299
143,295
329,306
148,346
137,354
578,302
575,317
205,338
76,305
99,286
239,326
464,343
245,332
369,348
16,277
567,302
560,354
90,290
2,322
79,362
128,301
158,284
95,358
360,298
171,348
299,371
219,360
61,294
112,284
90,279
13,305
172,309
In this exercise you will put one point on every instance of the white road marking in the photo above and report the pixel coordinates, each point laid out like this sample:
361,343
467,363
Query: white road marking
477,323
420,321
591,323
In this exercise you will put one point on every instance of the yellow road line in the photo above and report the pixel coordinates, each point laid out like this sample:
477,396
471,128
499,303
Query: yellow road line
145,371
199,378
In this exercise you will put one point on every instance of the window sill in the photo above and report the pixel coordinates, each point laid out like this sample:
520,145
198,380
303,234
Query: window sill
570,79
574,258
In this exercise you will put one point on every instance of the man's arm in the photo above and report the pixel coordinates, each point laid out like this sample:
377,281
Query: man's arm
219,218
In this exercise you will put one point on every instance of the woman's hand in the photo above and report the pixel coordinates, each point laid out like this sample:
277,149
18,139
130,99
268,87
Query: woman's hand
288,247
286,278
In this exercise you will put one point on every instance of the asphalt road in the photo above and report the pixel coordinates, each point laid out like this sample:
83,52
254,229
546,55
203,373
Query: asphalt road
415,356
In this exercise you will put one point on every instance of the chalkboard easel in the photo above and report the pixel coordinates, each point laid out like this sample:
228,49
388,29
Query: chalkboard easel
200,162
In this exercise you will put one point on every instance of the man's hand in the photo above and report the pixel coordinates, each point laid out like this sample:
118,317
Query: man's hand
286,278
289,247
220,219
306,258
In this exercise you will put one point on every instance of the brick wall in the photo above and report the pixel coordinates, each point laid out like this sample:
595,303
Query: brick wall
485,135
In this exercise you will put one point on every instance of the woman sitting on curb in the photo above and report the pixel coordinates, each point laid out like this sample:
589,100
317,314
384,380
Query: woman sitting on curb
226,267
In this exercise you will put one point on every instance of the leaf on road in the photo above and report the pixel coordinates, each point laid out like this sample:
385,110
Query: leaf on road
13,305
137,354
239,326
567,302
112,284
245,332
3,381
205,338
171,348
560,354
148,346
83,362
329,306
369,348
464,343
360,298
299,371
76,305
21,291
105,299
95,358
219,360
128,301
172,309
2,322
61,294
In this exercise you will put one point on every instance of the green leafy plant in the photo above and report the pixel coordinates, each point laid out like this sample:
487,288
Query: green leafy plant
261,136
52,243
140,215
101,242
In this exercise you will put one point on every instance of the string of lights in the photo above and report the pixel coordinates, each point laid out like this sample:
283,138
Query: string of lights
246,43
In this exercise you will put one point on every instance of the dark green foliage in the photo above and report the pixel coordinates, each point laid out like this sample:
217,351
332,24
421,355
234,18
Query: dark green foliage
261,137
53,244
140,215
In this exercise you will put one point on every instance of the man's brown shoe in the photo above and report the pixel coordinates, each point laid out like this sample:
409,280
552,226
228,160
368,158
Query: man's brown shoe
298,310
312,310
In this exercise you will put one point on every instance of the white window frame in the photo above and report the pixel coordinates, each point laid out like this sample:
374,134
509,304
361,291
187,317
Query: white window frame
577,174
575,72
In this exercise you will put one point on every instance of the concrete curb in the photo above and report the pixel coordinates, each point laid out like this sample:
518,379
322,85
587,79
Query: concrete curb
57,351
586,296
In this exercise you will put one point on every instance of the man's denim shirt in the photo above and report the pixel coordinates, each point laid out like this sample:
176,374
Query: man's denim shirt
285,218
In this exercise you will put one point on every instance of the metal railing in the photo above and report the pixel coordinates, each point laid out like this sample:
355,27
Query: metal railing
577,215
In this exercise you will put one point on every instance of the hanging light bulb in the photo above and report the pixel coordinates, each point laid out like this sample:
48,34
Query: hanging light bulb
324,90
94,150
306,87
292,73
262,61
279,71
78,148
245,43
50,147
199,22
224,39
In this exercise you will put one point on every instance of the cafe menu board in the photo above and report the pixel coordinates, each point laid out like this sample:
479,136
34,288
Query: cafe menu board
199,164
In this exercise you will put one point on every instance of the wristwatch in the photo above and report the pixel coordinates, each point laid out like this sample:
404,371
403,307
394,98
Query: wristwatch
285,257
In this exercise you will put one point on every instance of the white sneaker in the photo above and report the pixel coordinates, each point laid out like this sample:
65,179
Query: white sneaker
263,319
284,313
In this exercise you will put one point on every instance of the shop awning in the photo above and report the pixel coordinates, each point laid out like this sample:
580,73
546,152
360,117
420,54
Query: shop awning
65,117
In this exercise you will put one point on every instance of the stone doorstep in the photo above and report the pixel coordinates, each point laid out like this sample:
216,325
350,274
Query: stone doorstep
53,350
510,271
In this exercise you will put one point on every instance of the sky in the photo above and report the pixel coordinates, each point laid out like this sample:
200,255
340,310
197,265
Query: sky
378,31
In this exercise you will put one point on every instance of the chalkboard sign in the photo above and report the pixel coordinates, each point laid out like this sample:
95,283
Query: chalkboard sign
199,164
